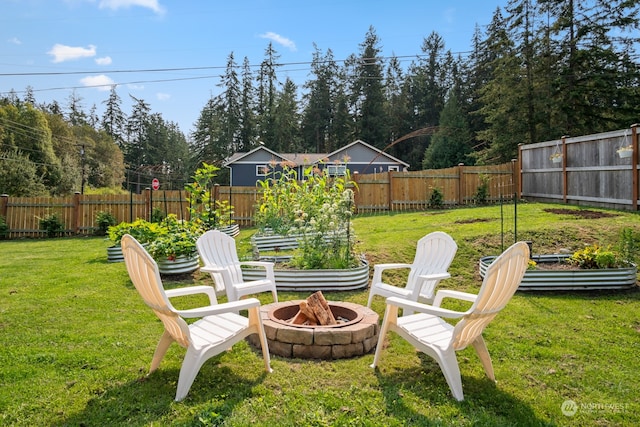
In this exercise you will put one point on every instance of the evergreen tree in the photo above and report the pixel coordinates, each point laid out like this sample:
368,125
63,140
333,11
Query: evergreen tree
319,109
114,120
286,120
267,92
371,123
450,144
137,149
76,114
231,98
247,135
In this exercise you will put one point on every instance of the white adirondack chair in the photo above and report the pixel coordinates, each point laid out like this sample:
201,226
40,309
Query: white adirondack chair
434,254
219,328
430,333
220,258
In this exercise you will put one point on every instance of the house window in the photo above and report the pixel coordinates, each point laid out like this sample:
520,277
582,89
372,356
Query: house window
261,170
337,170
395,168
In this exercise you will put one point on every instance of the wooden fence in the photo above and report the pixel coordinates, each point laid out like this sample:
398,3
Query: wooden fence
374,193
586,170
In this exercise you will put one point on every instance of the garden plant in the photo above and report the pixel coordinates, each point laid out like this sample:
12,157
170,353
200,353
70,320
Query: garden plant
76,341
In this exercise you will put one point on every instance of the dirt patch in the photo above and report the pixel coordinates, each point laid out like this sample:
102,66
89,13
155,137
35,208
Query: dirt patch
471,221
580,213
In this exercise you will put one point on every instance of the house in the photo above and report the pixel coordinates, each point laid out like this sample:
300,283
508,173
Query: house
246,169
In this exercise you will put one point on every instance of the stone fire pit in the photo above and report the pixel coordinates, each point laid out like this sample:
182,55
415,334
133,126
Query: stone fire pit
355,334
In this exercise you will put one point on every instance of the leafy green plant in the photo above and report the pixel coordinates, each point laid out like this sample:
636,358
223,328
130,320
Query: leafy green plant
157,215
211,213
143,231
595,257
436,200
4,228
104,220
629,244
175,238
317,208
52,224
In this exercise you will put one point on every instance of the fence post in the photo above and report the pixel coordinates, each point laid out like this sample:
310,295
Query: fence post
564,169
148,201
77,213
634,167
390,191
356,190
4,205
517,172
460,184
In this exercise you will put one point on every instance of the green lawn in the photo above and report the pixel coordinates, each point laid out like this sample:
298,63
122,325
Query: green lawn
76,342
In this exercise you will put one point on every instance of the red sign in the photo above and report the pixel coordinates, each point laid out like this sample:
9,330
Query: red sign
155,184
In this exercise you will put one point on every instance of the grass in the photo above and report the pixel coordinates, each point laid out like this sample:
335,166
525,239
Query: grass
76,342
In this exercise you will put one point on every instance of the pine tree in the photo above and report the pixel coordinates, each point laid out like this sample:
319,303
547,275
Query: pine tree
114,120
450,145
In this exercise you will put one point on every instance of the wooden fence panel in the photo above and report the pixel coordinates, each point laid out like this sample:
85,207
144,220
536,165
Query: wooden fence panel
381,192
590,171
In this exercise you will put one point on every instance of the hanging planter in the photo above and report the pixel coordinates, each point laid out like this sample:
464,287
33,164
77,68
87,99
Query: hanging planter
625,152
179,265
556,157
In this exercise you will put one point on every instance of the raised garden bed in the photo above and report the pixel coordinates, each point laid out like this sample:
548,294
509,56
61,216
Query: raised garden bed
565,278
315,280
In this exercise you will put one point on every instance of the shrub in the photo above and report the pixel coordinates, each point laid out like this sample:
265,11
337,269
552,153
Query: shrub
4,228
211,213
104,220
482,193
52,224
436,200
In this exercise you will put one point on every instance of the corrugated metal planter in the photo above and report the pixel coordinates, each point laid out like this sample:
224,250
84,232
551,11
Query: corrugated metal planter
315,280
574,279
114,254
232,230
179,265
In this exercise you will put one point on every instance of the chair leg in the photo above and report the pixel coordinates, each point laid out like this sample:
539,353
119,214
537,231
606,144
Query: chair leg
161,350
451,371
485,358
190,367
274,292
390,316
371,294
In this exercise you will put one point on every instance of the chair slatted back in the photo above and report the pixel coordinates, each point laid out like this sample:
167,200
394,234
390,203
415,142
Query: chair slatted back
501,281
219,249
434,253
145,276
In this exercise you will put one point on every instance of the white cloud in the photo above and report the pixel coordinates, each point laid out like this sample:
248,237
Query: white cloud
104,60
120,4
135,86
100,82
63,53
14,40
163,96
280,40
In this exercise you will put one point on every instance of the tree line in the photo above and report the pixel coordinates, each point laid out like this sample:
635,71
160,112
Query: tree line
539,70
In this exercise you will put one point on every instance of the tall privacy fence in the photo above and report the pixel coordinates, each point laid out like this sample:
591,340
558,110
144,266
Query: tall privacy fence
374,193
596,170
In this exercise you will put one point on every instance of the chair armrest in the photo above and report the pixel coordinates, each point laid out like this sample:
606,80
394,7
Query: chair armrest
435,276
379,268
211,269
449,293
424,308
227,307
264,264
192,290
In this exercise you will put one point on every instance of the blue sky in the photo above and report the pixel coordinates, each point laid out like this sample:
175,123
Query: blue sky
88,43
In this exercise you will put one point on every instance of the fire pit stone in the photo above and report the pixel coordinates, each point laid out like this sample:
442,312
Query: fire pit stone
358,335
